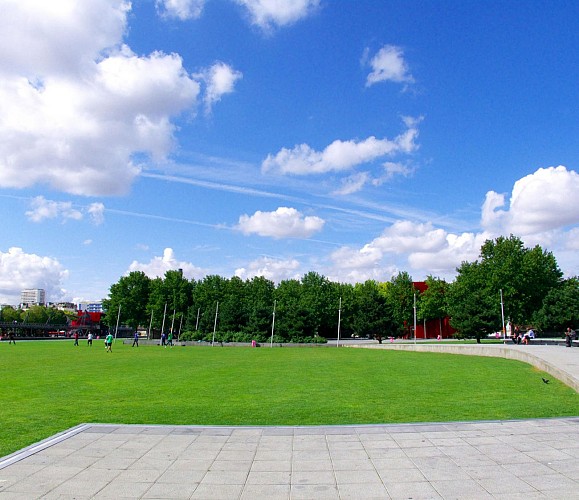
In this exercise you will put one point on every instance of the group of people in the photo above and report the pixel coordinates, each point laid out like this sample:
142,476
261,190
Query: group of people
518,336
167,339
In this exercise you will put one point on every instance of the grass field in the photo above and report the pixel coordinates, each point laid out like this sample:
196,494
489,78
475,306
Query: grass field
50,386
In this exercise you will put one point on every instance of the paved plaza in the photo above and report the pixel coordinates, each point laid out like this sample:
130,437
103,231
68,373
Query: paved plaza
528,459
511,459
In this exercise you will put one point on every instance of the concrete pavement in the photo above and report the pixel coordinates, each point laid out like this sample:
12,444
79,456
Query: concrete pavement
475,460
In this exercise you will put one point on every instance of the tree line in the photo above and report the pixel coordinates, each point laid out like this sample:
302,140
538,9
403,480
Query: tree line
508,280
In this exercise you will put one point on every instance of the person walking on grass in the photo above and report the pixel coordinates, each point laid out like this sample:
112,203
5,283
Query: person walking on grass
89,339
163,339
11,338
136,340
109,343
75,338
170,339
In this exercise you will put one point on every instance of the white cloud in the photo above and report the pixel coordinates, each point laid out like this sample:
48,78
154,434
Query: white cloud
96,212
282,223
158,266
275,270
542,211
540,202
47,209
340,156
43,209
388,65
19,270
220,79
181,9
353,183
42,38
77,105
419,248
269,13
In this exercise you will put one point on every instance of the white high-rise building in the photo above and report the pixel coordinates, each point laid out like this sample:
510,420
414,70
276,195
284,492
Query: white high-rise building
33,297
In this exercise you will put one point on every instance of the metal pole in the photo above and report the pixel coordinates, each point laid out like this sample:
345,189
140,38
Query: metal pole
273,323
339,322
197,322
118,318
150,326
215,324
164,314
173,321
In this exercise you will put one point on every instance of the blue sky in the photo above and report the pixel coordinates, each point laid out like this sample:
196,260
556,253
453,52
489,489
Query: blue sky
259,137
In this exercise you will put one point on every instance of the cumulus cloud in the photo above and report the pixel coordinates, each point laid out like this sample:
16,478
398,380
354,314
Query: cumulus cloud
158,266
219,79
353,183
272,269
42,209
96,212
341,156
19,270
413,246
388,64
282,223
539,202
541,211
77,104
270,13
180,9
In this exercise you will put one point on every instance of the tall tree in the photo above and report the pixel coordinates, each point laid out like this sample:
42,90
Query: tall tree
473,310
525,277
259,301
399,293
131,294
169,299
372,316
560,309
432,304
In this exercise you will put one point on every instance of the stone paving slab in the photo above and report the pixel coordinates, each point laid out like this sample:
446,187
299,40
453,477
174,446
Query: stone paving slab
458,460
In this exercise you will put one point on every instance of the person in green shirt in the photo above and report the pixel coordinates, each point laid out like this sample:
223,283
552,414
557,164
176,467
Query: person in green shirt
170,338
109,343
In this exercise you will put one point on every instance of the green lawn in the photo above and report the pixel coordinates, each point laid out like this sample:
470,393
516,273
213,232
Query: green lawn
50,386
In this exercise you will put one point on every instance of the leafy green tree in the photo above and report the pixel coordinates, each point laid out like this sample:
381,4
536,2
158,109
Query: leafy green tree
525,277
560,307
259,299
319,301
8,314
35,314
399,293
473,310
206,294
373,318
131,294
169,300
432,303
289,318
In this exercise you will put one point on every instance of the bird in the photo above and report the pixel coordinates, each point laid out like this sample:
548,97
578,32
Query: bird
546,381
